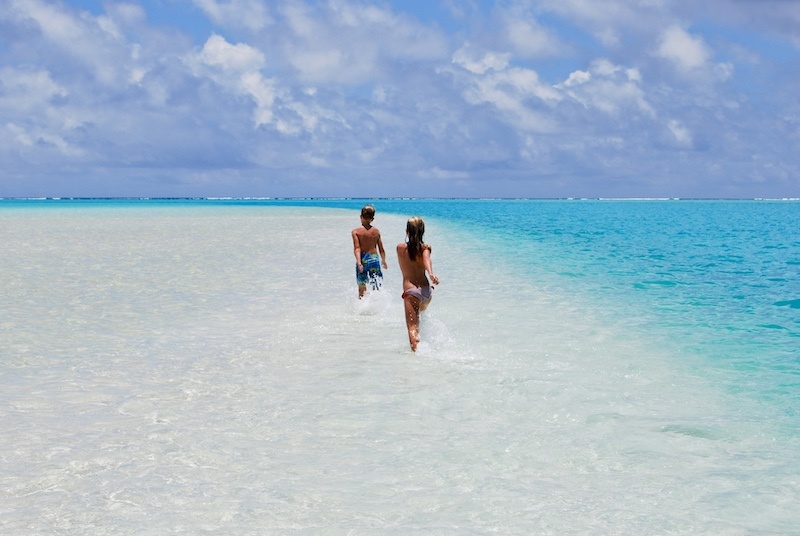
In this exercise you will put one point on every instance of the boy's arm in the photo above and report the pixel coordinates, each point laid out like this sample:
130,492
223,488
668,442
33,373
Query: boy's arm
357,251
382,252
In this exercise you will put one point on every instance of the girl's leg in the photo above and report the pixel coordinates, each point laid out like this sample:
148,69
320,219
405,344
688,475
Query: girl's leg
412,321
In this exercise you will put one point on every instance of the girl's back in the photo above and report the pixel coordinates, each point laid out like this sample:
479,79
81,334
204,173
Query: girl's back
413,269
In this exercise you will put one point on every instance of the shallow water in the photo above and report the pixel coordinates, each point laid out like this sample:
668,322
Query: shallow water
197,368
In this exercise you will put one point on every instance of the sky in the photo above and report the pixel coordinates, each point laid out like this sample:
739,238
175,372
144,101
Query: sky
400,98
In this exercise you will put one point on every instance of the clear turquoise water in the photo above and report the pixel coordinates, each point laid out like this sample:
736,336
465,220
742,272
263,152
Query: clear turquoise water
720,279
588,367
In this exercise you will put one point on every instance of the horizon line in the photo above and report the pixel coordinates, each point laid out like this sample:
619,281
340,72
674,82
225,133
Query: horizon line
383,198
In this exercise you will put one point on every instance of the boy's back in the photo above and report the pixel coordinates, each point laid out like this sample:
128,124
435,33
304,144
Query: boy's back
367,238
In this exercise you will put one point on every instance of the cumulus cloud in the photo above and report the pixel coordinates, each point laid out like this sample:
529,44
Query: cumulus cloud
690,55
517,93
237,69
95,42
685,51
43,139
608,88
340,91
577,78
479,62
28,90
239,58
346,43
31,103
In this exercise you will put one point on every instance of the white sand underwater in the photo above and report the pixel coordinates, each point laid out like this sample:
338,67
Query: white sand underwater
209,369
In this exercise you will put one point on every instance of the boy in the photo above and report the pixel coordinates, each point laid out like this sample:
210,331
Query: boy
366,245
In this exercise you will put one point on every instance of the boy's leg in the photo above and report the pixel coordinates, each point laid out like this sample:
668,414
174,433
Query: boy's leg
375,281
361,281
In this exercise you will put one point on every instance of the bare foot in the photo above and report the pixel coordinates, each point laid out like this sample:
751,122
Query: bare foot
413,338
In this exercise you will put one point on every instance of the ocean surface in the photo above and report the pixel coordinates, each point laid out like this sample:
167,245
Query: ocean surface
586,367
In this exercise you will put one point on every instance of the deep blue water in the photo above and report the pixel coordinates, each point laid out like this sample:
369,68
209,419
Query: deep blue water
716,278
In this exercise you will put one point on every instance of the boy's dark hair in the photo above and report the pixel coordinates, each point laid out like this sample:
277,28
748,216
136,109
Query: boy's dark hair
368,212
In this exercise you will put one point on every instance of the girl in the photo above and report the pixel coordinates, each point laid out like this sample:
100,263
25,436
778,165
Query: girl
414,257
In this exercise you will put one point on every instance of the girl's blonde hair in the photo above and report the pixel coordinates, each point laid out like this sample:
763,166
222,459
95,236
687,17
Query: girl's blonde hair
415,229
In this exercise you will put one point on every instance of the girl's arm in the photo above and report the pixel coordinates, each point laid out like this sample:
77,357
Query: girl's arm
428,264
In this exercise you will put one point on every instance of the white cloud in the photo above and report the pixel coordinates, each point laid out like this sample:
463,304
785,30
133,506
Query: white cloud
610,20
27,139
691,56
442,174
684,50
52,21
682,135
518,94
237,69
356,85
477,63
30,101
723,71
240,57
262,92
529,39
308,117
577,78
608,88
27,91
347,43
356,16
320,65
249,14
92,41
